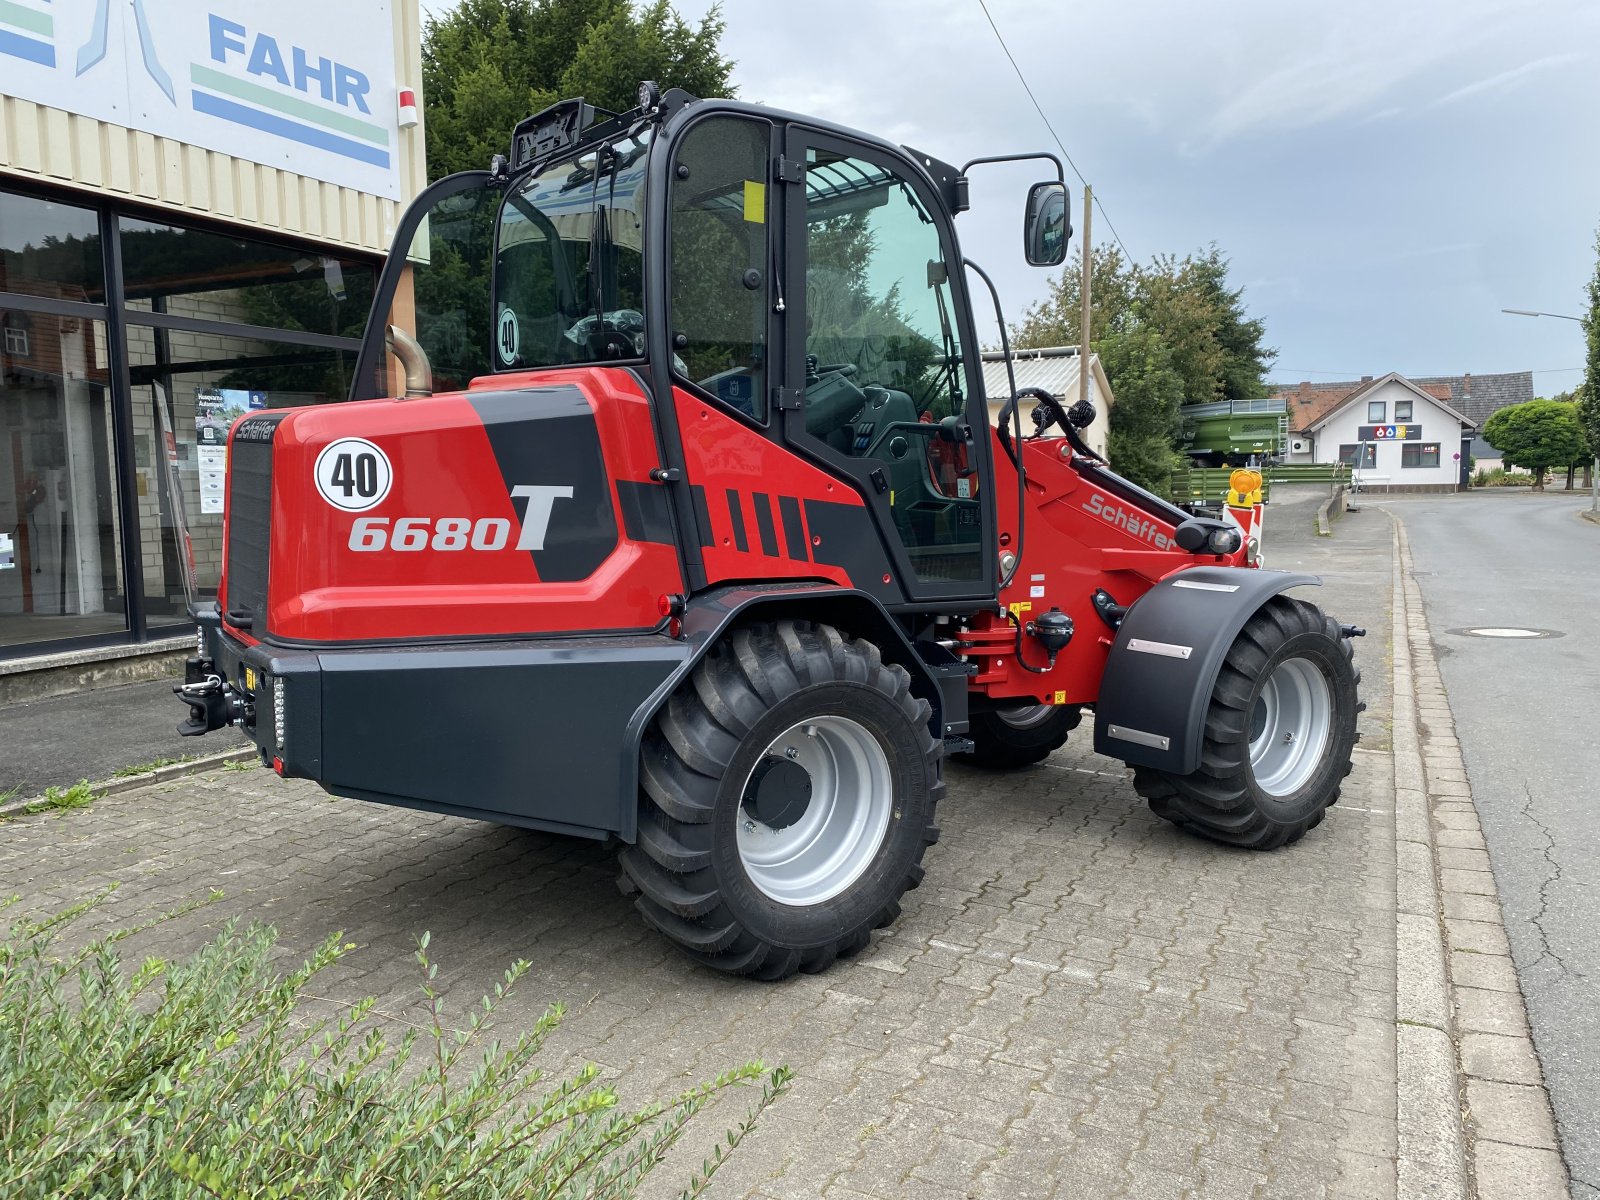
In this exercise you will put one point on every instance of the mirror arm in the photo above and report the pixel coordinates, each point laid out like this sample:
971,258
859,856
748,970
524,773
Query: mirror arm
1032,156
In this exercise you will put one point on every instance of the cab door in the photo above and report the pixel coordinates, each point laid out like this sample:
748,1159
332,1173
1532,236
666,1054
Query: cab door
881,373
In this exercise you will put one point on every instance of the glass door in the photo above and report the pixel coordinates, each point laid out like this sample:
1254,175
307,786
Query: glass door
882,357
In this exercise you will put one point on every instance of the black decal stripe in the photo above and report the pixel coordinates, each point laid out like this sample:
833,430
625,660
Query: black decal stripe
794,533
736,516
547,437
769,535
702,515
645,514
847,539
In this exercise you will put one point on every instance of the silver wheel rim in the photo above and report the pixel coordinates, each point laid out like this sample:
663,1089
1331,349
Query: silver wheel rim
1025,718
1290,727
832,843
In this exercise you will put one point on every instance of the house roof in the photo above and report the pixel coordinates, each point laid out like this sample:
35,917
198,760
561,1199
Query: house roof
1053,368
1373,385
1473,396
1311,407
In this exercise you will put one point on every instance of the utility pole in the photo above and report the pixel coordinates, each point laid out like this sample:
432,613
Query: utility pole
1083,338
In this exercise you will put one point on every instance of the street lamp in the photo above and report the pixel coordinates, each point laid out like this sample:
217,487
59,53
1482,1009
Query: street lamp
1528,312
1594,470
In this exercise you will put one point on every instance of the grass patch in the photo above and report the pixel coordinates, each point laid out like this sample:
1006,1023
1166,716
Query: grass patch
207,1076
79,795
243,764
155,764
10,794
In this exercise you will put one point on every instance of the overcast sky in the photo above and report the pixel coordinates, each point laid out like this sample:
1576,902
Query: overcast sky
1386,175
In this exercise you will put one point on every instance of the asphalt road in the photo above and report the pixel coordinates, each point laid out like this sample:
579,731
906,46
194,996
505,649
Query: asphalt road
92,735
1528,716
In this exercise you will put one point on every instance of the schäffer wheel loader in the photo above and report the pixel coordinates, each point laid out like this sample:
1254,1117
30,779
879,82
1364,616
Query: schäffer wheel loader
685,527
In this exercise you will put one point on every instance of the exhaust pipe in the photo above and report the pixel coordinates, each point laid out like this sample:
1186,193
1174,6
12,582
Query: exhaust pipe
413,359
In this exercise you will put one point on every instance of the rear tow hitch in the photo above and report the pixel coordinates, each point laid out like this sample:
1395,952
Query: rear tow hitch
213,702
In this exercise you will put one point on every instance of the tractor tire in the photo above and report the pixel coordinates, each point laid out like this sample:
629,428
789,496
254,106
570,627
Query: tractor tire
1279,733
1005,738
788,794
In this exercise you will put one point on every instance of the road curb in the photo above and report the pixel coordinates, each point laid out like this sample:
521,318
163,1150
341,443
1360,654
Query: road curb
1474,1116
126,783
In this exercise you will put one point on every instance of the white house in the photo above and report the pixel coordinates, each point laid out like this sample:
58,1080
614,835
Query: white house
1055,369
1395,436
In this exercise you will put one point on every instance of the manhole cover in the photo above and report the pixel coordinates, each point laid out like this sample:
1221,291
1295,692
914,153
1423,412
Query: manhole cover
1507,631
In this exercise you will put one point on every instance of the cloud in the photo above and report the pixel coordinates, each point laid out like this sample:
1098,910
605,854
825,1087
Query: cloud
1505,79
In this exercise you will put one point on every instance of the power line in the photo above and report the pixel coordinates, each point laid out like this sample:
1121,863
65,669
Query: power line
1023,79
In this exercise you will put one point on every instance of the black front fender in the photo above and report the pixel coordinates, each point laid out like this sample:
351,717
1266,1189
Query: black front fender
1164,664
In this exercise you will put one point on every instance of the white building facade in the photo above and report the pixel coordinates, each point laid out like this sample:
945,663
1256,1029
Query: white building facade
194,202
1394,436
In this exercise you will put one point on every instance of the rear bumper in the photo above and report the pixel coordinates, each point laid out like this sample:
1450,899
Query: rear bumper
533,732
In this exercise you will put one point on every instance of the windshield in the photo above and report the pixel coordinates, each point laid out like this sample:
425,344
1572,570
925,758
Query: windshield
569,277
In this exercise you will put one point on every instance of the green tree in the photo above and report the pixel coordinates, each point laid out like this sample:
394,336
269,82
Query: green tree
1537,435
1173,320
1055,320
1144,420
486,64
1589,390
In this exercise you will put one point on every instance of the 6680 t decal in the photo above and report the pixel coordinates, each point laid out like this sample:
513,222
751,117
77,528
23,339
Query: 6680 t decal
372,534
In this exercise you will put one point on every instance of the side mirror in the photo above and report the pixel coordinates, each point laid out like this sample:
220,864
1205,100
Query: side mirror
1046,225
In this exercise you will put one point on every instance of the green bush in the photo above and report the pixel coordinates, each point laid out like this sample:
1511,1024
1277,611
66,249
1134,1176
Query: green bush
205,1077
1500,477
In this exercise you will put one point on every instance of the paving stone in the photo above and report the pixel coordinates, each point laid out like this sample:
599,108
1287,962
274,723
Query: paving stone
1513,1113
1481,937
1493,972
1483,1011
1517,1173
1078,1001
1495,1056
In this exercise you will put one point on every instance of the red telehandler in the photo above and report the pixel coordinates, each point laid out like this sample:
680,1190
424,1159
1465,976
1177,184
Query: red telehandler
687,528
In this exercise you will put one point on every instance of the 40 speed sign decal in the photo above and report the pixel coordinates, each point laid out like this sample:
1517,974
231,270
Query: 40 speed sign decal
353,475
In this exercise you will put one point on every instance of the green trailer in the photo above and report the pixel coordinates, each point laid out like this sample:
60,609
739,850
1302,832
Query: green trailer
1236,432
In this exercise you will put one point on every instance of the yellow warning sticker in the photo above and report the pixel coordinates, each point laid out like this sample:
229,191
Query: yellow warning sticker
1019,607
755,201
1060,698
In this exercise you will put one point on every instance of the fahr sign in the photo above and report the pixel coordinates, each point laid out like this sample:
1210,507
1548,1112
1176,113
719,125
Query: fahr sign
301,85
1390,433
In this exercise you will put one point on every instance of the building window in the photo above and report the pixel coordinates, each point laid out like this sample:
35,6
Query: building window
1402,410
1419,454
1367,451
1375,411
17,342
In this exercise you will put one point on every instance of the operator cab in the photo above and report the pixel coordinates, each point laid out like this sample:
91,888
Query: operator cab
801,279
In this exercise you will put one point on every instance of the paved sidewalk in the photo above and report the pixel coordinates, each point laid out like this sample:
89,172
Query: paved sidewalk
1078,1001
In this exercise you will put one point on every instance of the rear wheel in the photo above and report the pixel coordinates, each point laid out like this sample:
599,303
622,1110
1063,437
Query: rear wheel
1279,733
1018,737
788,795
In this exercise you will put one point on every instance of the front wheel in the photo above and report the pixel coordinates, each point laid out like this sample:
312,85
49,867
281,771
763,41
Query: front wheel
788,795
1279,732
1004,738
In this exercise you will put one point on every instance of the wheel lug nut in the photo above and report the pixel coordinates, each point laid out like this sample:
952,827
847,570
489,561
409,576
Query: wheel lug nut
791,752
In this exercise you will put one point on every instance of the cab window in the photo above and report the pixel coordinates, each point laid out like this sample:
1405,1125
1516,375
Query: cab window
720,261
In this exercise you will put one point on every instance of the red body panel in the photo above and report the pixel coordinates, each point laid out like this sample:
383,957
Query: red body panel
734,464
1080,537
444,467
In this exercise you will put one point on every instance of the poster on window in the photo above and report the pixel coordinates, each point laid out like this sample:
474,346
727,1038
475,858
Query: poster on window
300,85
215,411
